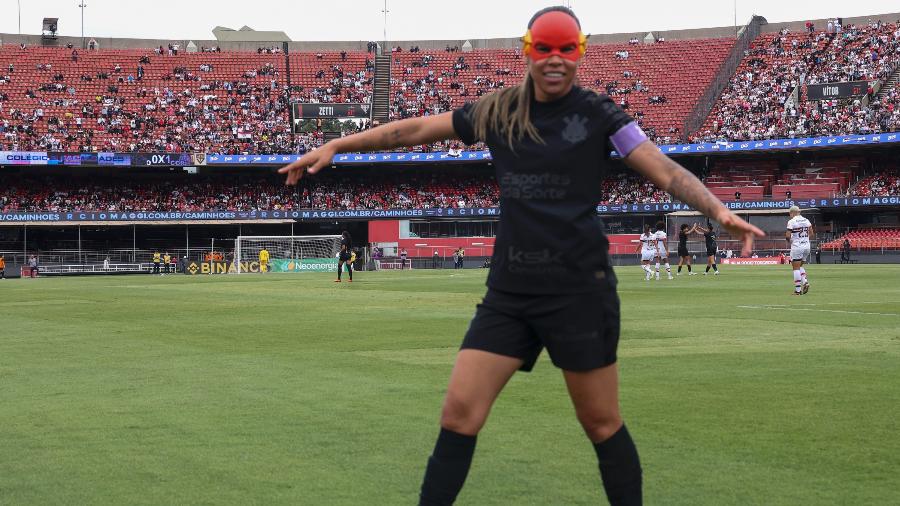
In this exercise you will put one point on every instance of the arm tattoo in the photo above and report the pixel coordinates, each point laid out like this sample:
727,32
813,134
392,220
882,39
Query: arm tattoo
687,188
390,138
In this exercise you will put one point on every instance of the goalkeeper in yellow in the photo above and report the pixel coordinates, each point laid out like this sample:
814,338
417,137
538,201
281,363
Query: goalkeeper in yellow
264,260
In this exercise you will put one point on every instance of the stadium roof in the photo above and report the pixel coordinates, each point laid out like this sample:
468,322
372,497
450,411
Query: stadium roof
247,34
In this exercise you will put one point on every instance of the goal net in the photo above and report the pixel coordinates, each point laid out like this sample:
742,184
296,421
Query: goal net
313,253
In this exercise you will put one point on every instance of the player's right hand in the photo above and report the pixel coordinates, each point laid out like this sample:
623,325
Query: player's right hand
740,229
311,162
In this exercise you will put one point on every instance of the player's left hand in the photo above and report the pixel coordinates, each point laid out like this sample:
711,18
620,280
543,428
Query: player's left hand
740,229
311,162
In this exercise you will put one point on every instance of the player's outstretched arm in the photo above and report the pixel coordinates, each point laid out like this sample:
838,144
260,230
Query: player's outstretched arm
407,132
665,173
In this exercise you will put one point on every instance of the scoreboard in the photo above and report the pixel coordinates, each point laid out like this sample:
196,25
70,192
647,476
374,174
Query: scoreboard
332,111
837,90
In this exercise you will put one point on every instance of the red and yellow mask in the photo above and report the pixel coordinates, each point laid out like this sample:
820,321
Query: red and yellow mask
554,33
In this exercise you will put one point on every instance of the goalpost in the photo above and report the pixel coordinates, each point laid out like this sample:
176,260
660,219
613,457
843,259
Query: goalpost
309,253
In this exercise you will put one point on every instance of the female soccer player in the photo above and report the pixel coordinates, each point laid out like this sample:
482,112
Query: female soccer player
710,235
550,283
648,251
345,257
662,249
799,231
684,256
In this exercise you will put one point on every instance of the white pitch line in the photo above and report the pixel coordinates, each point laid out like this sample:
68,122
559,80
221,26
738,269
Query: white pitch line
783,308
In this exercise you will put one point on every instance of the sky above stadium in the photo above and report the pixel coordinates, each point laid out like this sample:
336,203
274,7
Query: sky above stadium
407,19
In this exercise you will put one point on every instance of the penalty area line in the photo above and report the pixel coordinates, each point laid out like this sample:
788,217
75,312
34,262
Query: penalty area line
783,308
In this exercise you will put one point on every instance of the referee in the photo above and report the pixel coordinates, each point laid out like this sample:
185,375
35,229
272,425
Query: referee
550,284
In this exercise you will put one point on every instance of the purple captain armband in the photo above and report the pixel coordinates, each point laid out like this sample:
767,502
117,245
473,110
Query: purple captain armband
627,139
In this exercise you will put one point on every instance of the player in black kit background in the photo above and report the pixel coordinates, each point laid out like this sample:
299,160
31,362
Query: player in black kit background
709,234
345,255
550,283
684,256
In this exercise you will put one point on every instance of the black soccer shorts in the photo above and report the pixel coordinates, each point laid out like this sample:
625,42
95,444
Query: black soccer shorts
580,331
683,252
345,256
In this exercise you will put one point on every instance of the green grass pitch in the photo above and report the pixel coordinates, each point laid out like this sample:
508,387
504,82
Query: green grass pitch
290,389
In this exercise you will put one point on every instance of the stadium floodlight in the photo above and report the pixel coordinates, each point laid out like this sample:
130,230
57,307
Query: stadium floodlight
385,11
309,253
81,6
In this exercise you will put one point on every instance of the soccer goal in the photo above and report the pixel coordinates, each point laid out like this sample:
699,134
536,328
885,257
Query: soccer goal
310,253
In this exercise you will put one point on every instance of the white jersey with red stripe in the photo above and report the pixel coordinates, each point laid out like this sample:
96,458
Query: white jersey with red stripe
799,228
648,246
661,239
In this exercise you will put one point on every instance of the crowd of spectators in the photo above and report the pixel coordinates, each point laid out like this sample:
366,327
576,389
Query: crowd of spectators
203,107
759,102
184,104
628,189
407,190
885,184
330,191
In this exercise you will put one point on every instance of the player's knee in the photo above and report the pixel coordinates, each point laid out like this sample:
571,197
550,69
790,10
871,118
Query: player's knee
600,426
462,416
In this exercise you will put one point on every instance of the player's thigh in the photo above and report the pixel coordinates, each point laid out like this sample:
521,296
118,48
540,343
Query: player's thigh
595,395
799,254
499,327
580,331
476,381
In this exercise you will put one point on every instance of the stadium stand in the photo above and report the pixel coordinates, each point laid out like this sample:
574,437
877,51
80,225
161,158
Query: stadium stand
753,105
867,239
409,190
658,83
127,100
755,180
150,100
885,184
248,193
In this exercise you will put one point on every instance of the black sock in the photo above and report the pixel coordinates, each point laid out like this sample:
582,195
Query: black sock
715,268
707,267
447,468
689,267
339,271
679,269
350,271
620,469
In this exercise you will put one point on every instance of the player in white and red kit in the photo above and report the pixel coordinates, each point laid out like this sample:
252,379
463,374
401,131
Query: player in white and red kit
662,248
648,251
799,231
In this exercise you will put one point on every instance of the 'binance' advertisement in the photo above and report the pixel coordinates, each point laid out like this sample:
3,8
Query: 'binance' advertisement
274,265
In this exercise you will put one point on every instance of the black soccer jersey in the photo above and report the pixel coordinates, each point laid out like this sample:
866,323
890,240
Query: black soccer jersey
550,239
346,244
682,241
710,240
